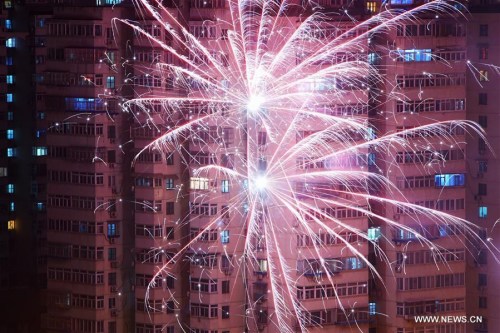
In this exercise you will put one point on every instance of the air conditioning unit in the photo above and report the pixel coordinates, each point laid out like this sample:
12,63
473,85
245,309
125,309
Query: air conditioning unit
113,289
111,241
114,264
113,313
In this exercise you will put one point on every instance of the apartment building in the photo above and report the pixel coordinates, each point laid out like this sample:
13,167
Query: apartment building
103,215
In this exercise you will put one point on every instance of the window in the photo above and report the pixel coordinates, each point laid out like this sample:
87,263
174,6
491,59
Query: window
199,183
225,312
483,121
9,79
11,152
11,225
483,75
39,151
372,309
112,229
112,253
10,188
10,43
10,134
112,279
169,183
12,206
482,189
170,208
482,280
225,287
418,55
262,265
8,24
483,302
9,61
110,82
373,234
225,186
483,52
9,98
482,166
449,180
483,211
371,6
483,30
224,236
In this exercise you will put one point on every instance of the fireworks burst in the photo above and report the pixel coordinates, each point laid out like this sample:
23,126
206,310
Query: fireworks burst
274,110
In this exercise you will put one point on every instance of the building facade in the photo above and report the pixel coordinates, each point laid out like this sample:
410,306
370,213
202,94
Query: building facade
126,237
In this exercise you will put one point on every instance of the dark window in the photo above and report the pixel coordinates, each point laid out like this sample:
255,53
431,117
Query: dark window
482,280
483,99
112,279
225,312
482,189
225,287
112,253
112,303
111,156
483,302
170,282
483,30
170,208
483,121
170,159
483,52
111,132
112,327
170,307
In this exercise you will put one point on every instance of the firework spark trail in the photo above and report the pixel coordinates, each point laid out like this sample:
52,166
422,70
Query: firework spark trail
267,89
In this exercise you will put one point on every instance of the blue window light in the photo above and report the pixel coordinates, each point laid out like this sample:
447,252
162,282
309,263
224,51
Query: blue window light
449,180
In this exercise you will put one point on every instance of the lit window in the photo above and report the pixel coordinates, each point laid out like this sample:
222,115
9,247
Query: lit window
112,230
8,61
9,79
373,234
483,212
10,134
10,43
371,159
110,82
225,186
224,236
40,206
10,188
483,75
449,180
9,98
401,2
199,183
262,265
419,55
7,4
10,115
8,24
11,225
12,206
39,151
11,152
371,6
3,172
372,309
